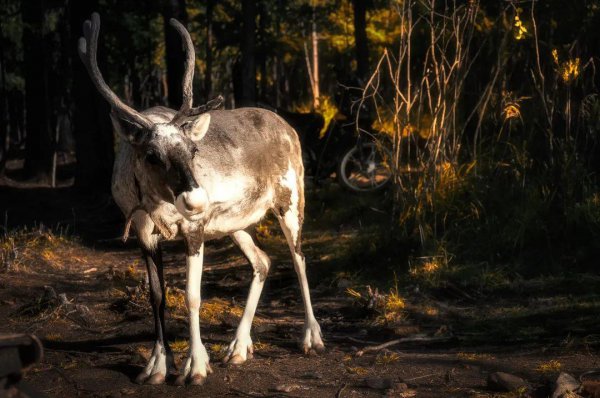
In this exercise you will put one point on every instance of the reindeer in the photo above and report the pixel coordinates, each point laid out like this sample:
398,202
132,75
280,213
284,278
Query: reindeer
202,173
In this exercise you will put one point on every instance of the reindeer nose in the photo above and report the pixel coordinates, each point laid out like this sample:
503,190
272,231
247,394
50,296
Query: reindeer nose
192,202
187,205
195,199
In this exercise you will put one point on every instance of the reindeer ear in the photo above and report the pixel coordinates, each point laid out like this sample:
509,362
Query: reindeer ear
197,128
129,131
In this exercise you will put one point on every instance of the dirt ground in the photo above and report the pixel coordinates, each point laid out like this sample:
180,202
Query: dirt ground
97,340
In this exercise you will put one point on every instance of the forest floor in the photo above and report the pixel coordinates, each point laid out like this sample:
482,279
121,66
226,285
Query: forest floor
97,340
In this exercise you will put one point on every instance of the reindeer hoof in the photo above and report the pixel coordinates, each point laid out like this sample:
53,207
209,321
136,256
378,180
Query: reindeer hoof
313,350
319,348
141,378
197,380
235,360
156,379
180,380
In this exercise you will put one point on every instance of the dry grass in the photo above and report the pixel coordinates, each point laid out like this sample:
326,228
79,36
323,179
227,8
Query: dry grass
24,249
266,228
357,370
394,307
180,346
217,351
175,302
53,336
473,356
259,346
387,358
212,311
389,308
552,366
218,311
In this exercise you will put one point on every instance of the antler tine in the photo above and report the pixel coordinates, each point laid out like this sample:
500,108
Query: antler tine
215,103
87,48
188,75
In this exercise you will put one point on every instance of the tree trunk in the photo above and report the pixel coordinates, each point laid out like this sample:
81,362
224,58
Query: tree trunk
209,43
248,48
263,49
92,129
16,116
175,54
360,38
39,142
315,59
3,106
275,66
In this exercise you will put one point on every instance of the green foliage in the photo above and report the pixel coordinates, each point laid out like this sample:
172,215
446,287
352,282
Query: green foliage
497,165
496,123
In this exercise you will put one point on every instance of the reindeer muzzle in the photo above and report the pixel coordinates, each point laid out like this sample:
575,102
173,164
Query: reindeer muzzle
192,203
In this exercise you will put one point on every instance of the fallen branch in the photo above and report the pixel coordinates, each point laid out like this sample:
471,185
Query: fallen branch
339,393
422,377
350,339
415,339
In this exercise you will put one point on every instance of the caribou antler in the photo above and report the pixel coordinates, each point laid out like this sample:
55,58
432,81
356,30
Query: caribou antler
186,109
215,103
88,46
188,75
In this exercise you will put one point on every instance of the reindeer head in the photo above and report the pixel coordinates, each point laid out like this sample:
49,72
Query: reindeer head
165,150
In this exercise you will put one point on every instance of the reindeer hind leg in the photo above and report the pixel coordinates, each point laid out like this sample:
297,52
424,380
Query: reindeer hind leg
240,348
290,218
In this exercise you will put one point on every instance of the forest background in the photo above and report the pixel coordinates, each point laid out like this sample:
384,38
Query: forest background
490,108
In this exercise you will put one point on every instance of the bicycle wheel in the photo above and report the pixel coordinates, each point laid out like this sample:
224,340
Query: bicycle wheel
365,168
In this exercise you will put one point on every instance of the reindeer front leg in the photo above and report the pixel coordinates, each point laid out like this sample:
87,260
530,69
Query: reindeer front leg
196,367
161,362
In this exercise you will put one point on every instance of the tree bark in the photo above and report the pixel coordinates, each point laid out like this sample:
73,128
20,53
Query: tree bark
315,60
248,49
209,43
360,38
263,49
3,106
175,54
39,142
92,129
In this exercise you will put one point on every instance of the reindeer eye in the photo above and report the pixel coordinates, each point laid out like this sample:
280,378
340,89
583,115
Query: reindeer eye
153,159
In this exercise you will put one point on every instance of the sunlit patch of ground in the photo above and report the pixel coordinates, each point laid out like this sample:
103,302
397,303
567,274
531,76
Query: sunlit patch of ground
472,319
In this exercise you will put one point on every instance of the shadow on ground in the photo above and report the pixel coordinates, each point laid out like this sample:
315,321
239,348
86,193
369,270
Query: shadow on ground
534,329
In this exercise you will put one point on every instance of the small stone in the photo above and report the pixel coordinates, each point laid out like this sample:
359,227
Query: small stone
379,383
265,328
397,390
311,375
400,387
407,393
344,283
500,381
275,303
565,386
592,388
286,387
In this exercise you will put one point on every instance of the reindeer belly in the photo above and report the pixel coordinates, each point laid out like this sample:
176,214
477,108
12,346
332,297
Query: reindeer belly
227,221
246,206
